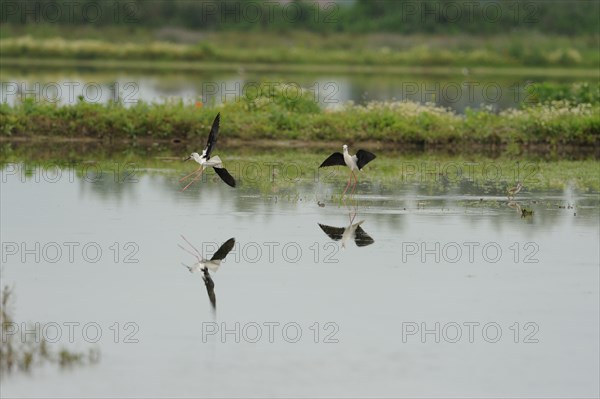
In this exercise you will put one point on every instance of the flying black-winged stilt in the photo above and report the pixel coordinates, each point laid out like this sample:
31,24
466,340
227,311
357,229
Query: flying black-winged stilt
514,190
212,264
354,162
205,160
352,232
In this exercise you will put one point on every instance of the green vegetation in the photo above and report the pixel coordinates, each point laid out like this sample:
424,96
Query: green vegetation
304,48
361,16
22,351
581,93
373,34
284,113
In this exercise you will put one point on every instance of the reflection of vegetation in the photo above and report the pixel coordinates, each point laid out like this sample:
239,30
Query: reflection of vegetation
287,171
275,180
22,351
289,113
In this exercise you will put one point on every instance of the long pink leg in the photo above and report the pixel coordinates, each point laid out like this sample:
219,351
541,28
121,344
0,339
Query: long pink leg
196,171
197,254
347,185
351,216
193,180
355,182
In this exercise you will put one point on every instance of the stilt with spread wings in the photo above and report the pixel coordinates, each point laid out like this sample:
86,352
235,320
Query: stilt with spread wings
205,160
204,265
354,162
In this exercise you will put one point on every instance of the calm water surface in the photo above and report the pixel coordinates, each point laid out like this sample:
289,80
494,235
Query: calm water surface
456,288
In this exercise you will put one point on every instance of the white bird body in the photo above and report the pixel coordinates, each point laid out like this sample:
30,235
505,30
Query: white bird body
350,159
214,162
350,233
212,265
199,158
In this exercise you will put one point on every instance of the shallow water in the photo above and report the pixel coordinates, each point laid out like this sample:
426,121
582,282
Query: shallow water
457,288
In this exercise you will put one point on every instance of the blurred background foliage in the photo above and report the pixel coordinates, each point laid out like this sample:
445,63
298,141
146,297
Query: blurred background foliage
481,17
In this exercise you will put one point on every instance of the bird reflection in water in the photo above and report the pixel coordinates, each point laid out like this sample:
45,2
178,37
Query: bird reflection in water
514,205
204,265
353,232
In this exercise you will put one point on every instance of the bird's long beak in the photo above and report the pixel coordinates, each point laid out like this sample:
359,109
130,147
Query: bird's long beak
188,158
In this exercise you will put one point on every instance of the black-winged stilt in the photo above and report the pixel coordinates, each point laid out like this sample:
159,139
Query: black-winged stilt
352,232
354,162
203,265
205,160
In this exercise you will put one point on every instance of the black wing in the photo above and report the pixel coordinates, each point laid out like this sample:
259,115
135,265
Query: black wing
224,250
335,233
334,159
210,288
361,238
225,176
212,137
363,157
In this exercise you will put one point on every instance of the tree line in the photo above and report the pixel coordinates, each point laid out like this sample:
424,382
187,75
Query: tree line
566,17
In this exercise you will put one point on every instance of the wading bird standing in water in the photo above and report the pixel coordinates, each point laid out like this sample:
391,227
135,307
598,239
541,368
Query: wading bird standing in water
514,190
354,162
205,160
203,265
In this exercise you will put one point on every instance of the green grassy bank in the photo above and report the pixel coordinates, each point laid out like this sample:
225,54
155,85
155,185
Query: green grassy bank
562,115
